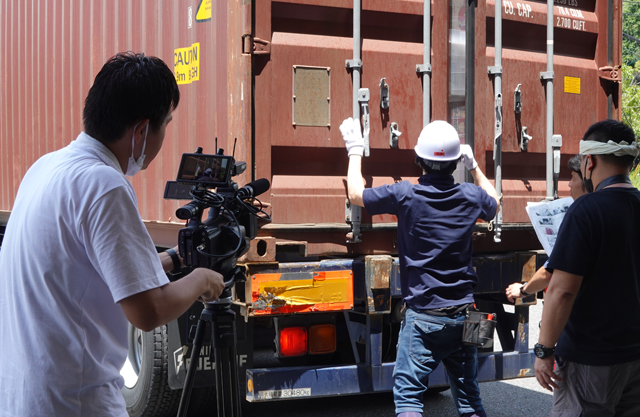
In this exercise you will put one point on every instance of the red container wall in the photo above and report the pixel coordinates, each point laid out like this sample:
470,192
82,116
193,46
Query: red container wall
580,49
52,49
307,164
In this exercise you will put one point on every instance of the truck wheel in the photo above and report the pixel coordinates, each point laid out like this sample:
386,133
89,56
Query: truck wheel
146,390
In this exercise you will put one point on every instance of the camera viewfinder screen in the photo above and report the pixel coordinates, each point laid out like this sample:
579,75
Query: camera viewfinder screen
211,170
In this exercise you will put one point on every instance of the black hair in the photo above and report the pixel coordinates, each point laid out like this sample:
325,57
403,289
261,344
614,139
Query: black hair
612,130
446,168
129,87
574,164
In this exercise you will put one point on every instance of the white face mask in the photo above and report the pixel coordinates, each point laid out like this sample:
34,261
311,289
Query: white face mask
133,167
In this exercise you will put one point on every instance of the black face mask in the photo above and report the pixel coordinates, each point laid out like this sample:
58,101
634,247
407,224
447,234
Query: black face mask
588,184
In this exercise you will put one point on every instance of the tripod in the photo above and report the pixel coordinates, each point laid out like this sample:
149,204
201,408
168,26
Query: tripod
222,318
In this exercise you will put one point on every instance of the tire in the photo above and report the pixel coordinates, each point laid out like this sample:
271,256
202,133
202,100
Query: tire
146,391
148,394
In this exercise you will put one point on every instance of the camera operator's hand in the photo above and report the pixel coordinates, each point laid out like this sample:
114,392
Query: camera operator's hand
215,284
352,136
152,308
467,157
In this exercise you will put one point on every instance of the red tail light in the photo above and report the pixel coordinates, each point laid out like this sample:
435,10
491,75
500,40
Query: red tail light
293,341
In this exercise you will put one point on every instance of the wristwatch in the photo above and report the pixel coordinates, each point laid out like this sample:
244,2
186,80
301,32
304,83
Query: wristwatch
177,264
522,292
541,351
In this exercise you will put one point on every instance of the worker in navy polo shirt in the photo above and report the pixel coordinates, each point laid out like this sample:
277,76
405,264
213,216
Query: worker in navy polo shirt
436,218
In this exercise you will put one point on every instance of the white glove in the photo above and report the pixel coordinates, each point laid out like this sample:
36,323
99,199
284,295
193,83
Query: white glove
467,157
352,136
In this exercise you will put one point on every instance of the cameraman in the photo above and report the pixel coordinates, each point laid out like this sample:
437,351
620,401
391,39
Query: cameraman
77,261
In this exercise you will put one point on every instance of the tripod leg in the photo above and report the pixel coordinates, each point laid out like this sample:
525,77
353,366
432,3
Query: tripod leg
193,366
227,389
237,401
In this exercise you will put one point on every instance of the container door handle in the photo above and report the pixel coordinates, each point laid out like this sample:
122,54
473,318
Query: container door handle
526,138
498,125
394,134
363,98
384,94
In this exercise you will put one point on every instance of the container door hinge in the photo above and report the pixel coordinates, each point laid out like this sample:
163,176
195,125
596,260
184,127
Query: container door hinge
255,46
612,74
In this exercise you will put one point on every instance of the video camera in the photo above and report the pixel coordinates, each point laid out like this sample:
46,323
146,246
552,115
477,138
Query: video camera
218,241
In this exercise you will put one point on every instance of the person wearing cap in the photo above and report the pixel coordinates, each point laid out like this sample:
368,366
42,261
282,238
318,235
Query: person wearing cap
540,280
436,218
591,315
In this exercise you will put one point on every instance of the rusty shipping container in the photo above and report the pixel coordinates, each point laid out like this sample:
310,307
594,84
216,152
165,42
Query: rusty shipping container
272,74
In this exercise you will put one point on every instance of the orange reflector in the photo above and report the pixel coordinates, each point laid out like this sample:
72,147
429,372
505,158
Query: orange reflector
322,338
282,293
293,341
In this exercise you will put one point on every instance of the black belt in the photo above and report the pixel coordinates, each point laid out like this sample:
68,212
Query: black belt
447,311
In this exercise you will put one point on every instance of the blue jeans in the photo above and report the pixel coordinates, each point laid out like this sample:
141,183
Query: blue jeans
423,343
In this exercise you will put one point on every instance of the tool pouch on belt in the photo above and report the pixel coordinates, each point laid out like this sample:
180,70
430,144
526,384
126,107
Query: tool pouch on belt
478,329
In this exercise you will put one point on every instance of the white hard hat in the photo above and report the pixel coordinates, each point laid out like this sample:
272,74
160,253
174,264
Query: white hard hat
438,141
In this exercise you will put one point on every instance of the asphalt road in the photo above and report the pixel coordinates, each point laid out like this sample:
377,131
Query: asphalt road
512,398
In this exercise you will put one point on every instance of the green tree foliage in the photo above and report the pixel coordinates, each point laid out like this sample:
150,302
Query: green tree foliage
631,96
631,32
631,106
631,72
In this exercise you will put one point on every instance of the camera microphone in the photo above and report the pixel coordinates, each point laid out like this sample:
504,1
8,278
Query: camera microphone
254,188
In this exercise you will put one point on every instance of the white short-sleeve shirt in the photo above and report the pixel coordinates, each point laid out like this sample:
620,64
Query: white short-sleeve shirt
74,246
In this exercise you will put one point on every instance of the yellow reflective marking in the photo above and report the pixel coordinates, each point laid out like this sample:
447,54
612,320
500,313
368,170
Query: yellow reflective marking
307,291
326,291
572,85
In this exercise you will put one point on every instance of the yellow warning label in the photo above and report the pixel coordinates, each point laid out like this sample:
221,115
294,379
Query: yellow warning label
204,11
572,85
186,66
